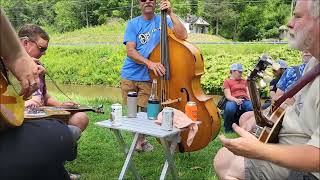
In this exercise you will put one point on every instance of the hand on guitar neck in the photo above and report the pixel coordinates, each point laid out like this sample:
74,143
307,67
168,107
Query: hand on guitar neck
69,104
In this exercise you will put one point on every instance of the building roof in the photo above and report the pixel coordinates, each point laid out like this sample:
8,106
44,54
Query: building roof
192,19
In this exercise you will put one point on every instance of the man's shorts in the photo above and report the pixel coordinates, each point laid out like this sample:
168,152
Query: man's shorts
143,88
264,170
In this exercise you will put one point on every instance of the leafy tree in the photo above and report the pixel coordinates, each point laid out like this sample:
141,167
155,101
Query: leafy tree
251,23
194,6
68,16
233,19
217,12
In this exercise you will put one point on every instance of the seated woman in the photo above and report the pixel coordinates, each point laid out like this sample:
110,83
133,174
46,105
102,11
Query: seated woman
237,93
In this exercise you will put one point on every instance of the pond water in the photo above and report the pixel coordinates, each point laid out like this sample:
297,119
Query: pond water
87,91
94,91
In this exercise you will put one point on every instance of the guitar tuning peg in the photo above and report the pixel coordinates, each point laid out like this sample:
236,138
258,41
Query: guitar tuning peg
267,58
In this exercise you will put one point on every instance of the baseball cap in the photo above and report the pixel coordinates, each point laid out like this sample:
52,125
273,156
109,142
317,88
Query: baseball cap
280,64
236,67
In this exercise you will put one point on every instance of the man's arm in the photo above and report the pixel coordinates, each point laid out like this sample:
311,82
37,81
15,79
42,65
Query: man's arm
299,157
272,94
16,58
178,28
277,95
157,68
50,101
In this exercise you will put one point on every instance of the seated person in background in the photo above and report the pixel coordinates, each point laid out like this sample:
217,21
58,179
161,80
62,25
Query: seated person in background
36,149
237,93
291,75
288,78
278,69
35,41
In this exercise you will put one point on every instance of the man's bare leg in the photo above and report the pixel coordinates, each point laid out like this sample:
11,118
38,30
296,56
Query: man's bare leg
80,120
247,121
228,166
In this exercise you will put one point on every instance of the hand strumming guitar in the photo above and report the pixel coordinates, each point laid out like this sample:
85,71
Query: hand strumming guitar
246,145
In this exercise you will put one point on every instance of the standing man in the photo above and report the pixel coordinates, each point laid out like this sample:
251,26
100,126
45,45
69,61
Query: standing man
297,156
36,41
141,37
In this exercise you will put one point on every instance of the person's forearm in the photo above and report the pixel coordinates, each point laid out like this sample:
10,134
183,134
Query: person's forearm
278,94
50,101
178,28
298,157
231,98
9,42
136,56
272,94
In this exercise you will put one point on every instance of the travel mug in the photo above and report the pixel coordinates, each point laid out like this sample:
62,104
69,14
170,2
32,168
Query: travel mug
132,104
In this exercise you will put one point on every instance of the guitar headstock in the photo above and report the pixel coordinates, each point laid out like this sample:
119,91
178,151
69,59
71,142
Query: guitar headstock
264,61
99,109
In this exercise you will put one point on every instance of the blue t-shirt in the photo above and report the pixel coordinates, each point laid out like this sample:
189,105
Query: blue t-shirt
146,35
289,77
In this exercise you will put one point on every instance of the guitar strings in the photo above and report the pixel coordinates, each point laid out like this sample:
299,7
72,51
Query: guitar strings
55,84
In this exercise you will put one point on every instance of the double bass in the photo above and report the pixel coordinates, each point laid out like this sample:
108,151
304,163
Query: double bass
184,66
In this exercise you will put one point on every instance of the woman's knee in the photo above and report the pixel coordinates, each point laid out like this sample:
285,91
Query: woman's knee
247,106
231,107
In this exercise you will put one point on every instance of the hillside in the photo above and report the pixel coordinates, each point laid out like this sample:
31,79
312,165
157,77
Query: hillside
113,32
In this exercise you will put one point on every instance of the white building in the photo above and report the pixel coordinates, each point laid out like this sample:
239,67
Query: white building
196,24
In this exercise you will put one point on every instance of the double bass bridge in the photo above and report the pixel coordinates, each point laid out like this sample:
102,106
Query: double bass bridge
170,101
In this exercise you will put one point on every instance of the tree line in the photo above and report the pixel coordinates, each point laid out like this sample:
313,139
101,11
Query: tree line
242,20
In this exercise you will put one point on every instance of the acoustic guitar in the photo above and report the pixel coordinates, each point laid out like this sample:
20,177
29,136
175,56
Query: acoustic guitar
268,123
11,104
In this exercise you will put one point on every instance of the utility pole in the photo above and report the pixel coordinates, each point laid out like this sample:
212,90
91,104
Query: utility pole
292,3
87,15
131,8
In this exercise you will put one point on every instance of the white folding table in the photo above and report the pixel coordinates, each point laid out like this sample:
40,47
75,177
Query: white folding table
143,126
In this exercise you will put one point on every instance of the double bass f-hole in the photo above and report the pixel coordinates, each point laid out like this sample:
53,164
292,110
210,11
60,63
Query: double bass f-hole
184,90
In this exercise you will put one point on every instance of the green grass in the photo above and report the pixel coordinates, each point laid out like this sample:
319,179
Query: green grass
99,156
101,64
113,32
